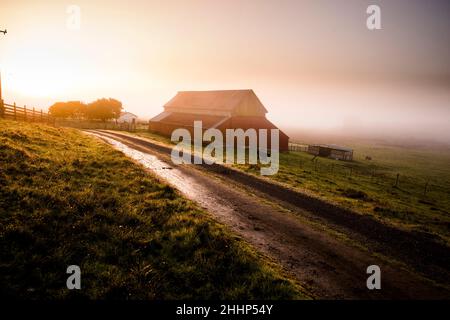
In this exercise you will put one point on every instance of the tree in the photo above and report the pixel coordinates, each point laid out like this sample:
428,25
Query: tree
104,109
79,109
70,109
101,109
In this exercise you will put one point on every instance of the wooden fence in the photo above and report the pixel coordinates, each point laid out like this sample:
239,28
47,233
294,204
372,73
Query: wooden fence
298,147
97,124
14,112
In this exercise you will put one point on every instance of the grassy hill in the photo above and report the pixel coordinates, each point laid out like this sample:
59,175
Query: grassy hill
66,198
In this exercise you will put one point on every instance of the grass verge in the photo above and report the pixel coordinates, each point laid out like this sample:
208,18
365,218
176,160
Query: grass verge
66,198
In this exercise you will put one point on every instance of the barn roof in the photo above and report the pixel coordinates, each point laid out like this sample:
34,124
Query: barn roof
218,100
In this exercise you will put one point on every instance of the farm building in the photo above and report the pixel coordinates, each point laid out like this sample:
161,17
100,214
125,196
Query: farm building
224,109
331,151
127,117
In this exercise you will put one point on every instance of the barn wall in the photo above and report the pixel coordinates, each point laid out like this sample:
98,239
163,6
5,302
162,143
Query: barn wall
255,123
166,129
232,123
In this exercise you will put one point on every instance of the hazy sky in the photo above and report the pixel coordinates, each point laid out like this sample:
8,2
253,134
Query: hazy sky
314,64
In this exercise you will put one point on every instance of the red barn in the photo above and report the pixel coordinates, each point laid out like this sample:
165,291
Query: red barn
223,109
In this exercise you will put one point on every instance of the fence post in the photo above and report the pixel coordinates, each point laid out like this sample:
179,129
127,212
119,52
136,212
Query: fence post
15,111
396,180
25,112
2,109
425,189
41,115
34,113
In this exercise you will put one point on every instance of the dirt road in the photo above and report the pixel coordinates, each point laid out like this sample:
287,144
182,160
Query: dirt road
329,266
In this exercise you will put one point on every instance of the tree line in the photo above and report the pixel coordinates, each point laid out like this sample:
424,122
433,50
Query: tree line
101,109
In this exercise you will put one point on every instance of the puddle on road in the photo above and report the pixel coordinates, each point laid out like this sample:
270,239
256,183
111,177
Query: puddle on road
186,184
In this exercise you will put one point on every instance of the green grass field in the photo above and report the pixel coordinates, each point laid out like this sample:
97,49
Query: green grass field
369,186
67,198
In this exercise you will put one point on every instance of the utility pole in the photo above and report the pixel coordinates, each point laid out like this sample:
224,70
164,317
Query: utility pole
2,107
1,97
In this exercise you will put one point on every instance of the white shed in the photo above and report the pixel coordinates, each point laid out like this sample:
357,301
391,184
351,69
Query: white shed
127,117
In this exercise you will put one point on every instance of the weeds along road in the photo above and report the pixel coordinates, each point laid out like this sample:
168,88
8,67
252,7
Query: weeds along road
330,264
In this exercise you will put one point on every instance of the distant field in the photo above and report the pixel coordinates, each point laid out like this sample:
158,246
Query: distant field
67,198
420,201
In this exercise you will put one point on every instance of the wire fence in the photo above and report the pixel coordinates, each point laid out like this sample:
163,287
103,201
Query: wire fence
370,174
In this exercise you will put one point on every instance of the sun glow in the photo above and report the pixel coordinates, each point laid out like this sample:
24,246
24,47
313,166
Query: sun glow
39,69
38,81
